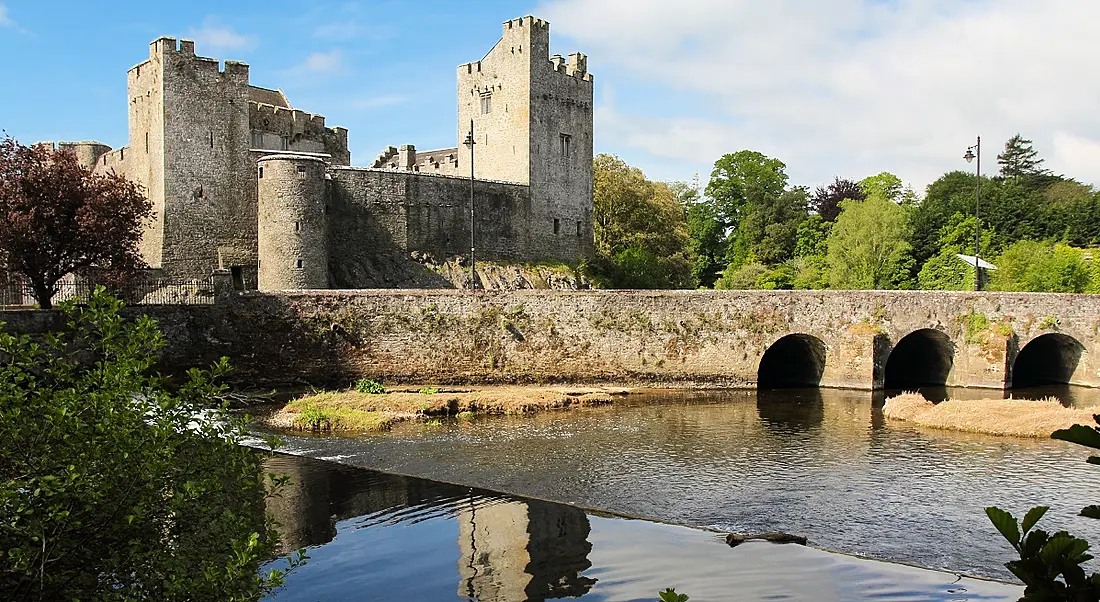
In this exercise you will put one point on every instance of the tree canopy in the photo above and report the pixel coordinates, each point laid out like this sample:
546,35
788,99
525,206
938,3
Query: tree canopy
56,218
114,486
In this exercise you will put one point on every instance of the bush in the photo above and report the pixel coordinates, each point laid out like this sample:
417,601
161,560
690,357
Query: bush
1050,565
366,385
112,486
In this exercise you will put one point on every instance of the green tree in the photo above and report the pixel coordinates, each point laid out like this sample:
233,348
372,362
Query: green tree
867,246
641,233
884,185
1019,159
811,238
113,486
1032,266
769,231
946,270
740,178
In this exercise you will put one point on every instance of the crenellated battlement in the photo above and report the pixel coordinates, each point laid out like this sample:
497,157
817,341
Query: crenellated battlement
528,22
167,48
297,118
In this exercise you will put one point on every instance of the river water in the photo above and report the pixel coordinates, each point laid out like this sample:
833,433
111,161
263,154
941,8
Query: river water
376,536
819,463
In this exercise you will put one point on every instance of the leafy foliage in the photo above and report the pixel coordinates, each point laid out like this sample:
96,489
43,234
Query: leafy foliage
56,218
867,247
826,200
1033,266
640,229
366,385
1019,159
112,486
670,595
1050,565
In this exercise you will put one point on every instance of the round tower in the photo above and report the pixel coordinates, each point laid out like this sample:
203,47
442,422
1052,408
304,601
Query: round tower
293,242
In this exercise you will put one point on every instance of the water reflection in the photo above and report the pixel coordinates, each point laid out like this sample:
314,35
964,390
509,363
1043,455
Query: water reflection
508,549
529,550
406,544
791,409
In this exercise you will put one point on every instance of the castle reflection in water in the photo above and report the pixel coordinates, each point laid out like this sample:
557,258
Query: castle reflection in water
508,549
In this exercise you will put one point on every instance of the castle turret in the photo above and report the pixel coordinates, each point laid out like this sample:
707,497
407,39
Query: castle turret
293,241
87,152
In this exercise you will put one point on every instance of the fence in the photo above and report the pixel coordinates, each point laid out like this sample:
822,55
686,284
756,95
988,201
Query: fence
145,290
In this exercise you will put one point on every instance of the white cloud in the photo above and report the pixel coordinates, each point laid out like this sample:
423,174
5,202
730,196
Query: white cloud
322,63
213,36
846,87
377,102
5,20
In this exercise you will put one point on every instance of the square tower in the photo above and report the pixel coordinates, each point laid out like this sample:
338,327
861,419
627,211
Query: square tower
189,150
532,119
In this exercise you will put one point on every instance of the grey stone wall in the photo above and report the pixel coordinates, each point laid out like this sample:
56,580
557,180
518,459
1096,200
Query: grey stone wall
380,213
302,131
293,241
209,176
685,338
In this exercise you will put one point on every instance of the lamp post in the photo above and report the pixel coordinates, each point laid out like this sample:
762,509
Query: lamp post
469,142
975,152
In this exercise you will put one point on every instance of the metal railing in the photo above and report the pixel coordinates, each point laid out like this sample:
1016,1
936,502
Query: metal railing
144,290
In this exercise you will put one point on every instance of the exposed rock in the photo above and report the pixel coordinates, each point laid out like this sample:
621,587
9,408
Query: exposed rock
736,539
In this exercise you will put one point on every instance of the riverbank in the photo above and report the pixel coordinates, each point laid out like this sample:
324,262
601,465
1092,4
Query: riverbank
1002,417
359,412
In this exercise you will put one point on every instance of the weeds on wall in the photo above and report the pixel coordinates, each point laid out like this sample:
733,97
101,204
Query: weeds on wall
366,385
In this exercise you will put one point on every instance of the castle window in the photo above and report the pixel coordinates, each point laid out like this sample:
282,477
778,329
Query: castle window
564,140
146,141
302,172
257,139
486,103
299,264
578,228
298,226
261,171
211,138
285,143
557,225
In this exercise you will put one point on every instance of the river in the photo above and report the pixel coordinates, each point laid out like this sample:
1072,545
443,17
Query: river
819,463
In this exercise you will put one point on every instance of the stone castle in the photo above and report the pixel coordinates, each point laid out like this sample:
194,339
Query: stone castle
242,180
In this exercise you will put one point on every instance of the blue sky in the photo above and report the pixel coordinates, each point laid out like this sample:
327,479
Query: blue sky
845,87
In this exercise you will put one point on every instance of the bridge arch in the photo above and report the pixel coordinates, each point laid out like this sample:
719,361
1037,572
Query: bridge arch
1047,359
796,360
922,358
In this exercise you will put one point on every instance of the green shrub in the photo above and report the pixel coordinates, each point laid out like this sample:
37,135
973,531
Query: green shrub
1051,565
366,385
115,487
429,390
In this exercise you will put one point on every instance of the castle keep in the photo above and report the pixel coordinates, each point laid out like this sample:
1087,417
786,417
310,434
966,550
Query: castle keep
242,180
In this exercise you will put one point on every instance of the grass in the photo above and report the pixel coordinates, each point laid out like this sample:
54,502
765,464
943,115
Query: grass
311,417
1004,417
353,411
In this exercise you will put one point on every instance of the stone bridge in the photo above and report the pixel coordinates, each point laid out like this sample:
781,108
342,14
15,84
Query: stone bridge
853,339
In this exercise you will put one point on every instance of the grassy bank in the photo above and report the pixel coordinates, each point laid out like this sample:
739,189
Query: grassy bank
1009,417
355,411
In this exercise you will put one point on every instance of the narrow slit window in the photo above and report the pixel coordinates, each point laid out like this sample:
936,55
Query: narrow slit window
211,139
565,140
302,173
557,225
299,264
261,172
297,226
578,228
146,141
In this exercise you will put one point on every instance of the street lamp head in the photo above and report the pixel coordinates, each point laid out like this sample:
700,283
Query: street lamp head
469,141
969,156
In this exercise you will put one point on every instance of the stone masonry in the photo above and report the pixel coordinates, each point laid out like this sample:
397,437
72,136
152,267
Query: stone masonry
855,339
200,132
